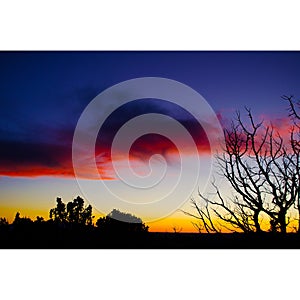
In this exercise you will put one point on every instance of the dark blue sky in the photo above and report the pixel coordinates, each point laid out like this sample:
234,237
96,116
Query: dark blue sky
42,94
53,87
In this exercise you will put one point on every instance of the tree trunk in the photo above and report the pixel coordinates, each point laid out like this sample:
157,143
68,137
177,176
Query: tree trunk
282,222
256,222
298,231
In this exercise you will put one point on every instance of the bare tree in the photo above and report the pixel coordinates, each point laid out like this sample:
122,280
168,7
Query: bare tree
294,114
263,171
176,229
204,217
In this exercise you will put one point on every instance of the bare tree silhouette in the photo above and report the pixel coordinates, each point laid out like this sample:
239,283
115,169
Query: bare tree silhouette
176,229
204,216
263,170
294,114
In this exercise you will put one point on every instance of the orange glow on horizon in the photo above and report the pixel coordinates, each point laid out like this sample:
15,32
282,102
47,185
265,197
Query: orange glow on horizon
175,222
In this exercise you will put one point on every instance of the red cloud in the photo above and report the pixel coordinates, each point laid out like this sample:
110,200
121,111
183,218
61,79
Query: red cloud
29,159
279,127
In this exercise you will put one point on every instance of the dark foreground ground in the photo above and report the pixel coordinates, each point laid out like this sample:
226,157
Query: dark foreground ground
93,239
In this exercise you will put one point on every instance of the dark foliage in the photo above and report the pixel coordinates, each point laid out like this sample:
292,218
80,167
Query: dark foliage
73,213
3,222
71,226
119,222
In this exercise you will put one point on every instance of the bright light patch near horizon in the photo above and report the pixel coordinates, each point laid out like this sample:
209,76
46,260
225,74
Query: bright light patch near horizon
159,191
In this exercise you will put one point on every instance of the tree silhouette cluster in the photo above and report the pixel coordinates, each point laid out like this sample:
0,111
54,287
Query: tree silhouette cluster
71,225
73,213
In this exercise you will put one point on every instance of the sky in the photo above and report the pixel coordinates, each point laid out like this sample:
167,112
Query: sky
43,95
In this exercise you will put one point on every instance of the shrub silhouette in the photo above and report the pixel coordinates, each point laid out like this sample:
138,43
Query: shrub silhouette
21,222
120,222
3,222
39,220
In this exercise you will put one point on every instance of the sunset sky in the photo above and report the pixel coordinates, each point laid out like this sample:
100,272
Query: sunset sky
43,94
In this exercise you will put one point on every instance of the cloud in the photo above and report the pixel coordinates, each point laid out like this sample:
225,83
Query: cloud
279,127
49,153
20,158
